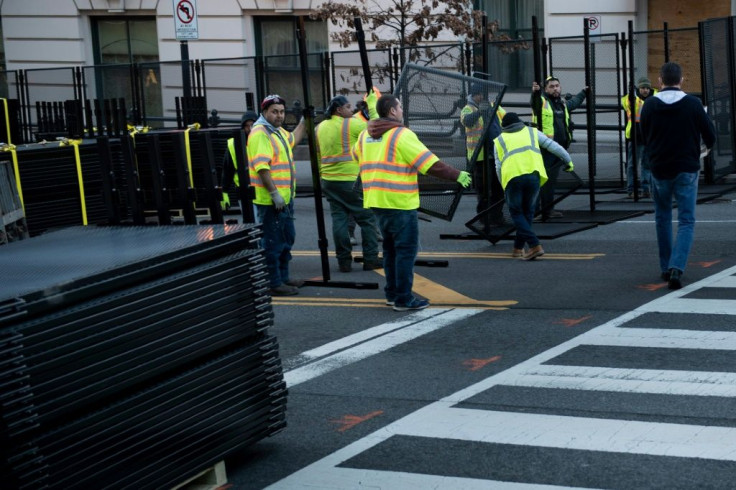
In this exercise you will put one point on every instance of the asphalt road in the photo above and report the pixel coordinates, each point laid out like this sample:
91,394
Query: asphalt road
580,369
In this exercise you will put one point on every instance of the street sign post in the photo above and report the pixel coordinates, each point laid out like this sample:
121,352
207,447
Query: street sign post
594,26
185,19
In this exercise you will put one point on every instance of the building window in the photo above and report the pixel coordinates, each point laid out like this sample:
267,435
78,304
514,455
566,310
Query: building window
118,43
276,42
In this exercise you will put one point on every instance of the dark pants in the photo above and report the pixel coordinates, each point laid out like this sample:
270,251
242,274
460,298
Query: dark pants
400,229
278,238
521,198
345,202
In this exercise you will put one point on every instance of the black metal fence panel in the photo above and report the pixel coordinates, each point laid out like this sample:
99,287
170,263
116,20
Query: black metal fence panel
719,66
231,88
432,100
347,73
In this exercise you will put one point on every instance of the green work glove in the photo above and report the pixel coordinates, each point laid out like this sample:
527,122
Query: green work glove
570,167
370,99
278,200
225,203
464,178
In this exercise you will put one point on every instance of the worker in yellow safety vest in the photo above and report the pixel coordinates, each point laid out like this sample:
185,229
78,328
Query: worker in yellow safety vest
391,157
473,122
520,168
556,124
273,175
229,174
643,91
339,172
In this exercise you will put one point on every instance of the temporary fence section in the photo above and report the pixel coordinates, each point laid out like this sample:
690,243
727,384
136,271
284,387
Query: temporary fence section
12,216
347,73
231,86
134,357
432,100
719,80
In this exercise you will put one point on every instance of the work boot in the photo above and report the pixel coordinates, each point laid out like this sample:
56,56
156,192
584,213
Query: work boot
297,283
534,252
345,265
372,264
518,252
284,290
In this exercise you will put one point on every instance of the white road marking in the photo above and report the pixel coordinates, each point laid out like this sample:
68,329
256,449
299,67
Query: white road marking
415,326
440,419
362,336
693,383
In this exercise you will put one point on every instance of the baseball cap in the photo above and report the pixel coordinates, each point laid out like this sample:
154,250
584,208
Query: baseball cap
270,100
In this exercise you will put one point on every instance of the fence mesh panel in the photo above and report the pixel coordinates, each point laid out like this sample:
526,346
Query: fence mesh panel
231,85
347,72
432,100
719,70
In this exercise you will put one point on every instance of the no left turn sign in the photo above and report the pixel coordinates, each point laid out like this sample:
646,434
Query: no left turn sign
185,19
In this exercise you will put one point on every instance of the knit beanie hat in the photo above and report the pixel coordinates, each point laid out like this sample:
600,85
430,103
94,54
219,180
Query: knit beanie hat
248,116
644,82
509,119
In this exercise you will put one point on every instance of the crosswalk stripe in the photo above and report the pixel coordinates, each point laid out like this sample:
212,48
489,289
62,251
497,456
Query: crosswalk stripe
666,338
442,419
342,478
700,383
594,434
702,306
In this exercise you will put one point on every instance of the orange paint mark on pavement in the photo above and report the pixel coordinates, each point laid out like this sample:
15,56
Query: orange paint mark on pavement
476,364
349,421
652,287
705,265
571,322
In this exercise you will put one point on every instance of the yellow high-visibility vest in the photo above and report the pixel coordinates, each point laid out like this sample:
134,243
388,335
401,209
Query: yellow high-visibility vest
519,154
273,152
473,133
548,119
335,139
389,168
639,105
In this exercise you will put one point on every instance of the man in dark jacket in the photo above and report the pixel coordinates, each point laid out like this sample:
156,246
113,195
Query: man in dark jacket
672,125
556,124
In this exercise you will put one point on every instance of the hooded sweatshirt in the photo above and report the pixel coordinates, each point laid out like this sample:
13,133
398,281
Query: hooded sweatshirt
376,128
672,125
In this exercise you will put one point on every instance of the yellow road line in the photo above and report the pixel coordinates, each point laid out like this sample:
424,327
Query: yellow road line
475,255
437,294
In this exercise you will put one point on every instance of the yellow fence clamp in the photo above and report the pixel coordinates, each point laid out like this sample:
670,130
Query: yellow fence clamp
14,156
80,177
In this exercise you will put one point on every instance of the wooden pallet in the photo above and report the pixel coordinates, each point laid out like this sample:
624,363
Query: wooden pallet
210,479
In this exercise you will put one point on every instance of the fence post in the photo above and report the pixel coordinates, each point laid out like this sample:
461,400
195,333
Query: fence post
666,34
590,116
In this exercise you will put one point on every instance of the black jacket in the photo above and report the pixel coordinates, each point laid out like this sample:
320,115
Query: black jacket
672,125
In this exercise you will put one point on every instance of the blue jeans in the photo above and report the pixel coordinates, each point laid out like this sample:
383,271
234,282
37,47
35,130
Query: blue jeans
684,188
521,198
278,238
400,230
646,175
345,201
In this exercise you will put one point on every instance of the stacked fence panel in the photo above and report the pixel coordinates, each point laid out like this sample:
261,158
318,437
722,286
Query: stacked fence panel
141,364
